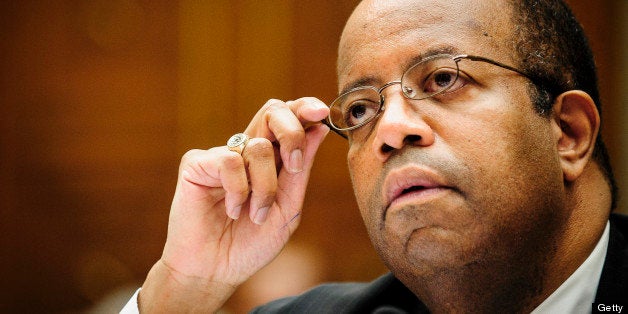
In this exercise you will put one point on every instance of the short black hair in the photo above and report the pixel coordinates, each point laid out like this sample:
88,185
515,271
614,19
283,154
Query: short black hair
553,50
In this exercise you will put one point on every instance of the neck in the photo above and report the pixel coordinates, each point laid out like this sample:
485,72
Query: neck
488,287
590,203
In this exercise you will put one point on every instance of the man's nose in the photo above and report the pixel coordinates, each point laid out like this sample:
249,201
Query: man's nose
400,124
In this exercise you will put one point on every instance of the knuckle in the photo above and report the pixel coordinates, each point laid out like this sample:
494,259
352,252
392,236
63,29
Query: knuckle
309,99
273,104
191,156
307,102
240,190
260,148
232,161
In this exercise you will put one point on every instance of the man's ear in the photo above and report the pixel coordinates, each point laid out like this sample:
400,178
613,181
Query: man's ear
579,122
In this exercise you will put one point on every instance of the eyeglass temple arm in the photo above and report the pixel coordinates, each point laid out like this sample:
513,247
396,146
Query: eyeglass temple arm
325,122
493,62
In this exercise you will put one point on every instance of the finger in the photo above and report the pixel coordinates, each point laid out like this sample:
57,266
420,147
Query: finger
314,138
259,124
220,170
286,130
308,110
259,156
291,187
233,177
284,123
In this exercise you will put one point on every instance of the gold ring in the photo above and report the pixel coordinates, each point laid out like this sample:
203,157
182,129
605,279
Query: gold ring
237,142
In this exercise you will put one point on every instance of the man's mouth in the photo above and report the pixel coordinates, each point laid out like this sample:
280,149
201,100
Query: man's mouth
412,189
412,183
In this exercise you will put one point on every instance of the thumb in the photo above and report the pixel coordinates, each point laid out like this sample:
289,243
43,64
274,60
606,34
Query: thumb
292,186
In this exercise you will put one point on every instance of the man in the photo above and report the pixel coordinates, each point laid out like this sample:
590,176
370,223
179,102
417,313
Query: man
479,172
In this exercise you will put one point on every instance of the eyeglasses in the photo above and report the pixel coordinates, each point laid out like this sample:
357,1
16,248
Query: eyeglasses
429,77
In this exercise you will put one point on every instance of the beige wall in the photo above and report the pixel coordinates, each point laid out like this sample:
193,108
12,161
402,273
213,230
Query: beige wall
101,98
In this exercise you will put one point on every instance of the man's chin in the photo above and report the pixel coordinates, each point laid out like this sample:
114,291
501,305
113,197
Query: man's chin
428,250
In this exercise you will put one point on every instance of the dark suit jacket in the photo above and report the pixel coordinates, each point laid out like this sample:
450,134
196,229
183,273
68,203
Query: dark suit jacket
388,295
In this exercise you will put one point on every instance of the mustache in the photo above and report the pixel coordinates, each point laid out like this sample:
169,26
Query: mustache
455,171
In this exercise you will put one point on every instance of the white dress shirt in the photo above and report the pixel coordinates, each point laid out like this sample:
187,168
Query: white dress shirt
131,306
577,293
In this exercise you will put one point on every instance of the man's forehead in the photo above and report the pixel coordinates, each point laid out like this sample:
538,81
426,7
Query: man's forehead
369,11
387,23
385,14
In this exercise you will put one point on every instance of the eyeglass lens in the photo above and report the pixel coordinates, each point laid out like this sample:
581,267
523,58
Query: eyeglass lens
425,79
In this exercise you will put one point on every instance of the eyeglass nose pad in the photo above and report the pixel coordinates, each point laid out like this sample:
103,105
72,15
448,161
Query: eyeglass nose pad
382,104
408,91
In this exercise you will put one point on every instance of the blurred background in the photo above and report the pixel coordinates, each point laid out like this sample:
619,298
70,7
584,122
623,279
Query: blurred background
100,98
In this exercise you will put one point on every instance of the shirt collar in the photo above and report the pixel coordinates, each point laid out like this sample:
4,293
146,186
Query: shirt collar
577,293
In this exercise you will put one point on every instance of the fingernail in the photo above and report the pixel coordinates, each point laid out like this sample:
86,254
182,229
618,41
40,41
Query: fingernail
261,215
296,161
235,212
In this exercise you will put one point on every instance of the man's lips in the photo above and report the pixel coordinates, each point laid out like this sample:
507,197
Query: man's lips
412,181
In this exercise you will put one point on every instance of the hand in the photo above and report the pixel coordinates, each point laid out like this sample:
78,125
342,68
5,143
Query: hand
211,248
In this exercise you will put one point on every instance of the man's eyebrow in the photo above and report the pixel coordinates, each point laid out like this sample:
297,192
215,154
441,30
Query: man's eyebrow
372,79
362,82
439,50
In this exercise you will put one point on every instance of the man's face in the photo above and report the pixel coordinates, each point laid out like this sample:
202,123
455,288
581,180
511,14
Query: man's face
467,179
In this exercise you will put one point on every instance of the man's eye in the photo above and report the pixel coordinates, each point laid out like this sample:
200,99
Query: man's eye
360,111
357,111
443,79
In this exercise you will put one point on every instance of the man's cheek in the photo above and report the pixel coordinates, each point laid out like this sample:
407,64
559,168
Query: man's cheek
357,168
